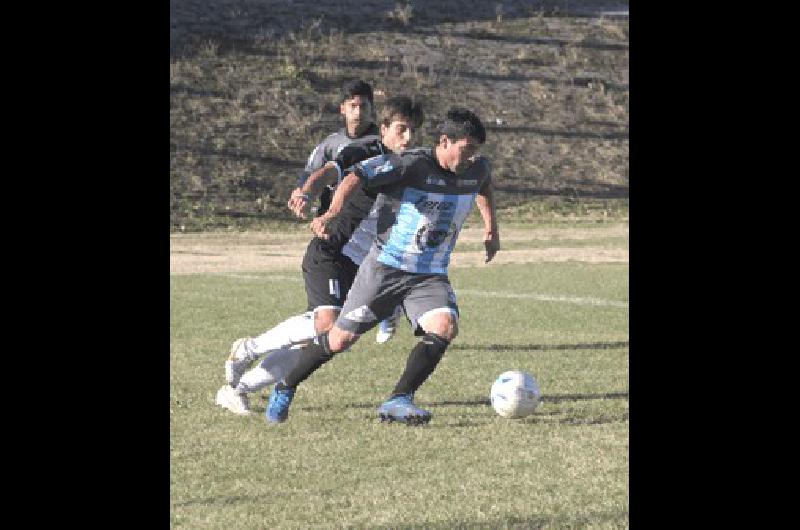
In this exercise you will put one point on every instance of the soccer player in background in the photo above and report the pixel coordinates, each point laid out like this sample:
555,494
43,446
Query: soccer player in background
329,264
358,108
424,196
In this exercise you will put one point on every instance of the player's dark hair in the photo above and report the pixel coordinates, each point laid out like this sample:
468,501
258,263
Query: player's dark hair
355,88
460,123
402,106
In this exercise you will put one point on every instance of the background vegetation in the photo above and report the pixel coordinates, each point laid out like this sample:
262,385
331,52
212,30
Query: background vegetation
253,88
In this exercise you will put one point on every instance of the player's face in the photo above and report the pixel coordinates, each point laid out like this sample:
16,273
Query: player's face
357,112
398,135
460,154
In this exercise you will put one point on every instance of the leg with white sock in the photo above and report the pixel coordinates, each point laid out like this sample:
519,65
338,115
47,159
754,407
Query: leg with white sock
297,330
282,345
271,369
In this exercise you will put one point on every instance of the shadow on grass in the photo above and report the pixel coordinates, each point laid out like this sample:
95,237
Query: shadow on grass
542,347
389,66
239,23
217,500
475,402
617,519
600,191
518,39
236,154
622,135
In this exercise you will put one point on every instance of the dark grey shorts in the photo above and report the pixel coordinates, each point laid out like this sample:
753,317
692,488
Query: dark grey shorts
378,288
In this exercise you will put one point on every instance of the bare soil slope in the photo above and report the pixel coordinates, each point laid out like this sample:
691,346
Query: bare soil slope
253,87
259,252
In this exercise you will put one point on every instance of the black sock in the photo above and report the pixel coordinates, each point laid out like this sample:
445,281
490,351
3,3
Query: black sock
421,362
310,358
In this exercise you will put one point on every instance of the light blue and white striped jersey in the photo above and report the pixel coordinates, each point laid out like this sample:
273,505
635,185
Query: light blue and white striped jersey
421,207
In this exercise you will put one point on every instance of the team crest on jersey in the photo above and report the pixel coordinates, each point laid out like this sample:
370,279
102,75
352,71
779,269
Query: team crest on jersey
430,237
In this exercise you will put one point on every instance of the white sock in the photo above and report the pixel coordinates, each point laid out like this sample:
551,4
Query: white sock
273,368
296,329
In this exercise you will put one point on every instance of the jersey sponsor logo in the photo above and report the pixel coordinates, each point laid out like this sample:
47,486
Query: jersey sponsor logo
468,182
424,204
435,181
361,314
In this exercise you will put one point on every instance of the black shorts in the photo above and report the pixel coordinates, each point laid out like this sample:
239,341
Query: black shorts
328,275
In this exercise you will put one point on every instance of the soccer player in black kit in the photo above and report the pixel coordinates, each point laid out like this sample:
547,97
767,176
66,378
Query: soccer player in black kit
329,265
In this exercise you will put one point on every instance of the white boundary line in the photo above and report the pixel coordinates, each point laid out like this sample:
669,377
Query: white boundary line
266,277
468,292
545,298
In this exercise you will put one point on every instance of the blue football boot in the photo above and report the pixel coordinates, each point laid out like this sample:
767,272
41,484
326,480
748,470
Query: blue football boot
401,408
279,401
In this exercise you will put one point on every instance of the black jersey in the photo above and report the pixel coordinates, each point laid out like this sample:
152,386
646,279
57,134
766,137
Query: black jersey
358,206
327,151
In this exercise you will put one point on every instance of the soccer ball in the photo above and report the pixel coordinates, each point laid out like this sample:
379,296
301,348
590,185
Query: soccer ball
515,394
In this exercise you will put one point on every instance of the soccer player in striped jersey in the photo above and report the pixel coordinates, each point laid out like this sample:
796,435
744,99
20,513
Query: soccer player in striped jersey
329,265
424,196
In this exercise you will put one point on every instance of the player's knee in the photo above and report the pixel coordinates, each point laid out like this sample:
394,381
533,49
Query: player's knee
324,319
451,331
444,325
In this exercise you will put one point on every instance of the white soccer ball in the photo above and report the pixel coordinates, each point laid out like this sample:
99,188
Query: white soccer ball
515,394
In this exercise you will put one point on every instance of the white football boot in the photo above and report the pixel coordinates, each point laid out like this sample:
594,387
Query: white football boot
228,398
387,328
239,360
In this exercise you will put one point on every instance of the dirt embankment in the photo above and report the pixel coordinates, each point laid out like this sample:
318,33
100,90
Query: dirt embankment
261,251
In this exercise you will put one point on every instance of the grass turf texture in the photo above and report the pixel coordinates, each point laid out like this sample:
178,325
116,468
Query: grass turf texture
333,464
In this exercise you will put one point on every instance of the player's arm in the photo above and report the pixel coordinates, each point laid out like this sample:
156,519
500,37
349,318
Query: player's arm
486,206
372,173
304,195
344,191
331,171
316,161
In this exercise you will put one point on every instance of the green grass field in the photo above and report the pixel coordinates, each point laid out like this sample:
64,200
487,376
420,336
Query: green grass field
334,465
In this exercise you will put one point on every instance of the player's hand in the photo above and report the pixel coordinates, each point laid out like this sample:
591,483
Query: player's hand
298,203
319,225
492,245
